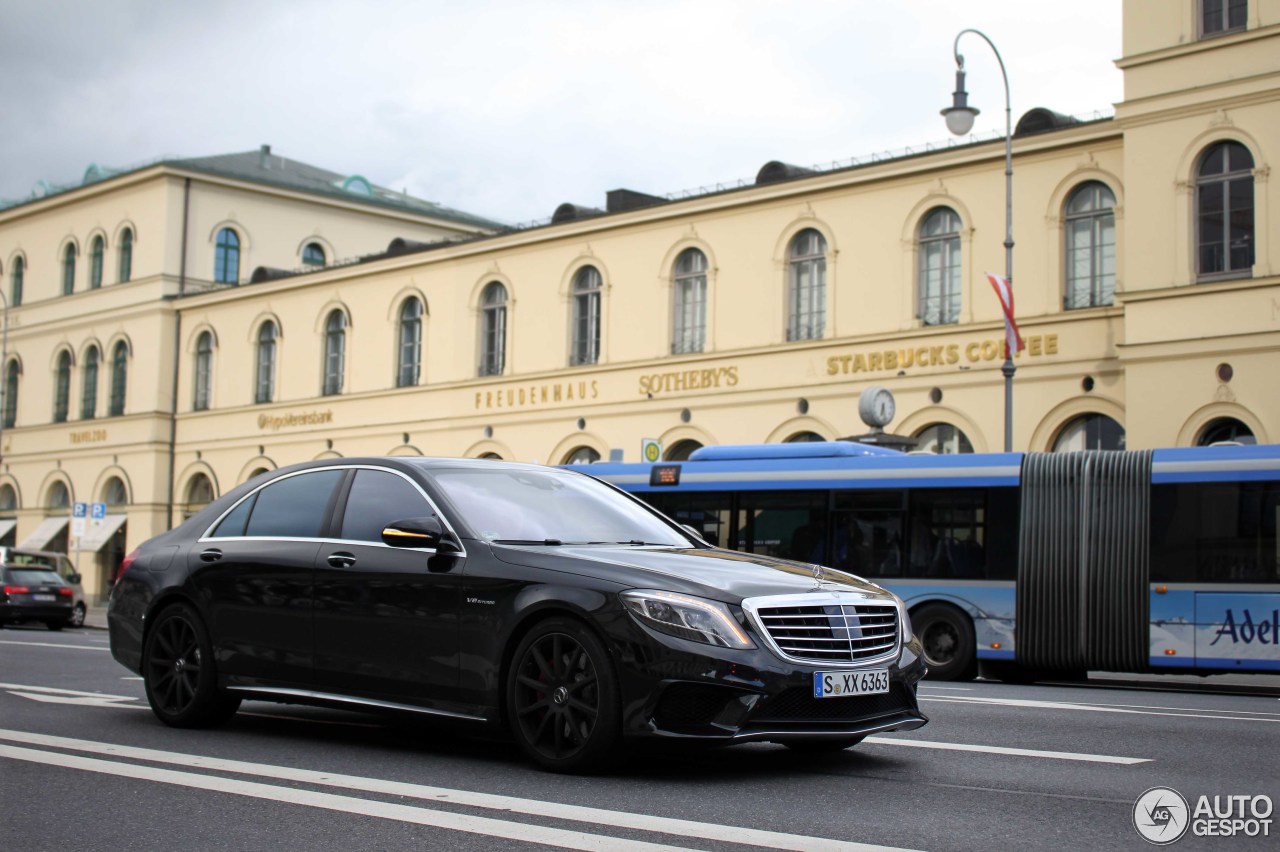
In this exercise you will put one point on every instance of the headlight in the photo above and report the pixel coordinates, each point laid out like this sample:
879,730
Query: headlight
687,617
904,619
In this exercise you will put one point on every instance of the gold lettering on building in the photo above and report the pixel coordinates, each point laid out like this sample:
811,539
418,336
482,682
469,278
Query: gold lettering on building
276,422
687,380
973,352
527,395
89,436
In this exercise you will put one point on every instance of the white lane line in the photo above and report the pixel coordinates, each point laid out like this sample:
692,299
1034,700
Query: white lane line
55,691
948,688
550,810
52,645
1017,752
1090,708
343,804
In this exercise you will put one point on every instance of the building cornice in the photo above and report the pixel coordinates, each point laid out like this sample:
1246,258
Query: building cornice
1202,45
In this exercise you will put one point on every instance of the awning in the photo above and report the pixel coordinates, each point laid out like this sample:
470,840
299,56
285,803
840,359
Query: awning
95,537
6,526
45,533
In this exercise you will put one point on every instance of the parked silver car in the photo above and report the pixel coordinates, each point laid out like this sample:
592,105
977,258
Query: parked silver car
15,557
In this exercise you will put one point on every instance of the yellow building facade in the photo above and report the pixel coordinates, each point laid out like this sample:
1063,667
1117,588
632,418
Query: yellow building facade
1145,272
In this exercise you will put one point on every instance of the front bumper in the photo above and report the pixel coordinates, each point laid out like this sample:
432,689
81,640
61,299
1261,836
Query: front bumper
677,689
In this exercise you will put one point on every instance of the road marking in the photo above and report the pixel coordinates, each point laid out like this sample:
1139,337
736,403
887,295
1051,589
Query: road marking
949,688
52,645
1018,752
52,690
1097,708
79,700
550,810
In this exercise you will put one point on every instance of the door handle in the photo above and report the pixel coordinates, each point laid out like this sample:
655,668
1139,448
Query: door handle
342,560
213,554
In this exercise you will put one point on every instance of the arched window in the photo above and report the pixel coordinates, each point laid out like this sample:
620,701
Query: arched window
11,373
493,329
689,303
97,249
1225,430
681,450
226,257
59,496
89,389
1091,247
16,274
581,455
939,274
199,494
943,438
204,371
803,438
1090,432
126,255
62,387
490,456
8,499
807,286
1224,211
69,269
114,492
587,285
265,375
119,378
313,255
410,348
335,344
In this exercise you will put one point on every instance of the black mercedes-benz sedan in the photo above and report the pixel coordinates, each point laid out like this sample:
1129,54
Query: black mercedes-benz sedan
526,598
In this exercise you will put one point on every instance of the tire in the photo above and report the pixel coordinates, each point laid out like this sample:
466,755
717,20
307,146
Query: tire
822,746
563,707
55,625
946,637
77,616
179,673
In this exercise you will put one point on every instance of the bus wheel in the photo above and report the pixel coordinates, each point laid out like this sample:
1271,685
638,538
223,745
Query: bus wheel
946,635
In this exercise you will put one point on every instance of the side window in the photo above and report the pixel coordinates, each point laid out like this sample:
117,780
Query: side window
294,507
236,520
377,498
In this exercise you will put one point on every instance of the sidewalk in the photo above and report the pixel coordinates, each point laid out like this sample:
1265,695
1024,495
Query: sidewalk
96,618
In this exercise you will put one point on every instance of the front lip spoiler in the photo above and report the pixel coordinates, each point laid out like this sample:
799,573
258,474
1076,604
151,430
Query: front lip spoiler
904,721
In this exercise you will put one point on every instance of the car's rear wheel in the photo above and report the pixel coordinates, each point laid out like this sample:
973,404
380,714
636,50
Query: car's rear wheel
179,673
822,746
77,616
562,697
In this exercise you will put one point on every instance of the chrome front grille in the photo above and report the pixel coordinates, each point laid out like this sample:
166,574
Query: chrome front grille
837,632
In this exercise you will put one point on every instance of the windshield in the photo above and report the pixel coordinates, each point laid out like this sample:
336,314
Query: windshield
551,507
28,577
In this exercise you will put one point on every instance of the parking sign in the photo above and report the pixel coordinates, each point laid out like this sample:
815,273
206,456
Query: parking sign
78,513
97,514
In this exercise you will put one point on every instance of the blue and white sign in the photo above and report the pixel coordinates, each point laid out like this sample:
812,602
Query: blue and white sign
97,514
79,511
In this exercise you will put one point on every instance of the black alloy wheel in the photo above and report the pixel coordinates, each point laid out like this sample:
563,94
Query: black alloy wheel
562,697
946,637
178,670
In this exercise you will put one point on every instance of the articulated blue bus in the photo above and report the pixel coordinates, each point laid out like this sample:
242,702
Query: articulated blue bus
1030,564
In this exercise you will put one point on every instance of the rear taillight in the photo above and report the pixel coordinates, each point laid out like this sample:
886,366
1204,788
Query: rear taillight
124,566
65,591
17,590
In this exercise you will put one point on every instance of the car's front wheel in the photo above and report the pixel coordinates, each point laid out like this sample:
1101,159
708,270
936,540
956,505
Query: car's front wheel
562,697
178,670
77,616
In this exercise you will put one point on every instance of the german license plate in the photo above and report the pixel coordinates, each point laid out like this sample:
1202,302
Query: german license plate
43,598
840,684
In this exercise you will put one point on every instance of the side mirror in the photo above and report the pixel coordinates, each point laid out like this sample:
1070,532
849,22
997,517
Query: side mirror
73,579
420,532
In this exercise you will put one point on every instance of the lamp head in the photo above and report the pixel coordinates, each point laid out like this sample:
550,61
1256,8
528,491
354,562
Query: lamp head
959,115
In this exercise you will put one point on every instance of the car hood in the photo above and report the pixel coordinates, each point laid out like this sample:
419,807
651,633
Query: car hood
724,575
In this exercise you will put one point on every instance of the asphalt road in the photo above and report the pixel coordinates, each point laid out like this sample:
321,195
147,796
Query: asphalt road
84,765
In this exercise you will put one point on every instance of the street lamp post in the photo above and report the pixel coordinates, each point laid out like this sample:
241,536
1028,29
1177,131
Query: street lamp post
959,117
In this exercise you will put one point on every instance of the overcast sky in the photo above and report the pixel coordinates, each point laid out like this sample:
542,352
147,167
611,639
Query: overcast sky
507,109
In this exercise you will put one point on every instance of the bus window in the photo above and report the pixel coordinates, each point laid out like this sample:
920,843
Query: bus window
953,534
790,524
866,536
1215,532
709,514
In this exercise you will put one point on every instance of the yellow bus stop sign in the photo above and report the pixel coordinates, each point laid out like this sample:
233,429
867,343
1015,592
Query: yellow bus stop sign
650,450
